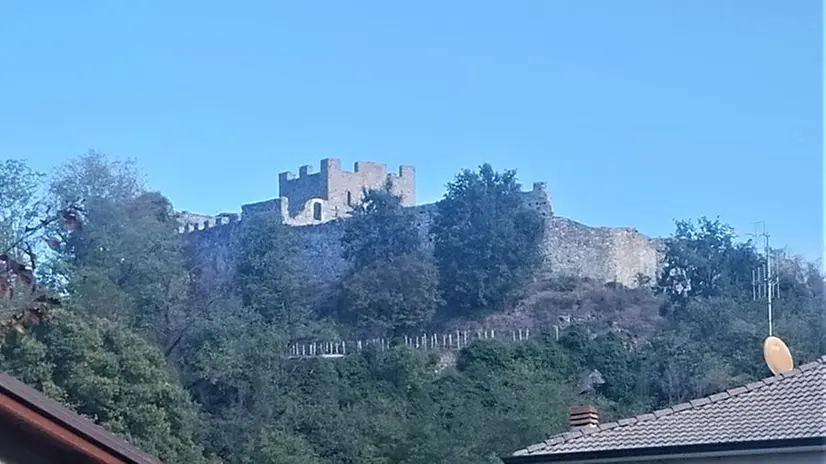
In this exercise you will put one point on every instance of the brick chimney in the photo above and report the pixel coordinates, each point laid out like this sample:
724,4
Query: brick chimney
580,417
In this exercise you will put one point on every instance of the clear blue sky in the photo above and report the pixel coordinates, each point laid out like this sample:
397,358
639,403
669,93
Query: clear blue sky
634,112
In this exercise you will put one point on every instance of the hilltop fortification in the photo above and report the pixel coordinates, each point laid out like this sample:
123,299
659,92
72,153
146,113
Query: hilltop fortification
316,202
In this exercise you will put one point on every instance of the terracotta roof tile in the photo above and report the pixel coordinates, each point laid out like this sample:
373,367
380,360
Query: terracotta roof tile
790,405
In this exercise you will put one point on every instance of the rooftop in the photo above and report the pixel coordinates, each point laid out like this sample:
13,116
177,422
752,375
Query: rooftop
63,425
787,406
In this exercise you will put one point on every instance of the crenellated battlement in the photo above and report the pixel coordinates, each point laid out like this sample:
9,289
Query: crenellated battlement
315,198
316,211
332,192
193,222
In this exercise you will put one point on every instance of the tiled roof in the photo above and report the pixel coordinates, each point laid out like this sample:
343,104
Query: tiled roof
787,406
80,425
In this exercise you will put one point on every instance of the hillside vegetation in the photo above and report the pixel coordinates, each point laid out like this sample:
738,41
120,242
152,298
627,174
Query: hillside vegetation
195,373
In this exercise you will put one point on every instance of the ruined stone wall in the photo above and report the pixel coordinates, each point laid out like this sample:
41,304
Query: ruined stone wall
299,190
319,248
575,249
569,248
215,252
634,253
403,185
319,254
321,251
331,193
605,254
317,203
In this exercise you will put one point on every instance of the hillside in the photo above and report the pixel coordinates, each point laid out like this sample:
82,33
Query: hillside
186,357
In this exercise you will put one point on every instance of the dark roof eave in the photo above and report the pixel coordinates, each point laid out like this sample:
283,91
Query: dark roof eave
753,447
83,427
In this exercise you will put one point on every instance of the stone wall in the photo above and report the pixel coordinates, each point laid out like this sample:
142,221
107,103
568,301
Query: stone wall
331,193
634,254
605,254
215,252
317,202
569,248
576,249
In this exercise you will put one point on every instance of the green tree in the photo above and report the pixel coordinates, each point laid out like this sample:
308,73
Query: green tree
398,295
800,309
392,286
380,229
268,275
680,369
618,366
128,262
275,446
705,260
112,376
234,366
487,240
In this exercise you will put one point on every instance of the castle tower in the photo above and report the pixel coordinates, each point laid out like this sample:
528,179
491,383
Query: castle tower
315,197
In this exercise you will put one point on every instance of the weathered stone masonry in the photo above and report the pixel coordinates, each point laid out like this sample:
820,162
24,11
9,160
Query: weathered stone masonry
331,193
314,203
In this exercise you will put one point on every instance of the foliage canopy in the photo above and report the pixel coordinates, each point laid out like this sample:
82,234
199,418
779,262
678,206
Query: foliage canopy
194,371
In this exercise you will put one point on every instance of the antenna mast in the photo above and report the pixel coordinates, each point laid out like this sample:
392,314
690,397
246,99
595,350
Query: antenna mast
765,283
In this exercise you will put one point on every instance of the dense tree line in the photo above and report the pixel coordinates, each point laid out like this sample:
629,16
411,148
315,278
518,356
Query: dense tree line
194,372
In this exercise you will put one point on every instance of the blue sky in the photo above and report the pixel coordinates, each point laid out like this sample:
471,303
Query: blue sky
635,112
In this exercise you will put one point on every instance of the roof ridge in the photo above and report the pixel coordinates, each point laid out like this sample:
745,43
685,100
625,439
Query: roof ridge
732,392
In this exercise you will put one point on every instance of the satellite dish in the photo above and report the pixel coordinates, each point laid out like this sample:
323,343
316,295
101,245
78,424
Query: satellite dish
777,355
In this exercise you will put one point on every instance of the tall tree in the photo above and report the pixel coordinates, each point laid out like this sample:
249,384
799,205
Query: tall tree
127,264
392,287
274,446
112,376
395,295
704,259
234,367
487,240
380,228
269,276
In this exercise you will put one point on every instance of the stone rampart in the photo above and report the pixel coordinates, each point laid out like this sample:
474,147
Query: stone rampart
316,203
570,248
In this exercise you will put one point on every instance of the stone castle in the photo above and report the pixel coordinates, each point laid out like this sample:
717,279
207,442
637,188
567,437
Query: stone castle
315,202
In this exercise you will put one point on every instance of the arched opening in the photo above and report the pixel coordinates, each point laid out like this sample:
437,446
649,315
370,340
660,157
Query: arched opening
317,211
349,198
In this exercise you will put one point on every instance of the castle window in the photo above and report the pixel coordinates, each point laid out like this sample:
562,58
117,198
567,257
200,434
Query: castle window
317,211
349,199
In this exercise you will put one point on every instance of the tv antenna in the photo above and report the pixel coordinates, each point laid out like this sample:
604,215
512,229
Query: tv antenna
764,281
766,284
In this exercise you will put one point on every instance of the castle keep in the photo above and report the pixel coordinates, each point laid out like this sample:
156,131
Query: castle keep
314,201
332,192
